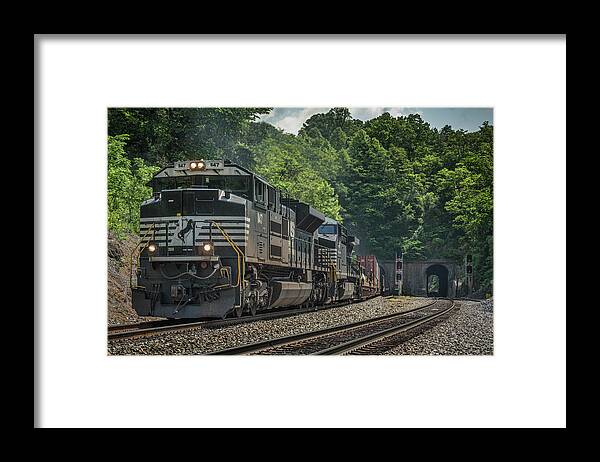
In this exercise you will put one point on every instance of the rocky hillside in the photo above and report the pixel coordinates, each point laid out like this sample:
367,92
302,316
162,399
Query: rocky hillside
119,293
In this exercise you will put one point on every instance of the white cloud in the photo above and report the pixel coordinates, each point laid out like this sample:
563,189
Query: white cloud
291,119
367,113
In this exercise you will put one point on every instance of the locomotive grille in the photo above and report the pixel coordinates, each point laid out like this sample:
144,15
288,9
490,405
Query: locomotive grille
276,251
275,227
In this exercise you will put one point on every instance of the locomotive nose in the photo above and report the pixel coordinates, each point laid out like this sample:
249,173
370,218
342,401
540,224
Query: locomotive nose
188,227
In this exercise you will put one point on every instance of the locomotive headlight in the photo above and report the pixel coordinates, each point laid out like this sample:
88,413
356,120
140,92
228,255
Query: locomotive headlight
152,247
198,165
207,247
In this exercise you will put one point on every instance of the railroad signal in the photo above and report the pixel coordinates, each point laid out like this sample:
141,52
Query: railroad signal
399,265
469,271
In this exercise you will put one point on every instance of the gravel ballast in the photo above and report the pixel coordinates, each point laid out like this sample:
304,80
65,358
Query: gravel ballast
204,340
467,331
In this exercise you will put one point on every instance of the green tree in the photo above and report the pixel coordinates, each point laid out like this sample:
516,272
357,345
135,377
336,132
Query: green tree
127,188
396,182
382,199
328,123
163,135
283,163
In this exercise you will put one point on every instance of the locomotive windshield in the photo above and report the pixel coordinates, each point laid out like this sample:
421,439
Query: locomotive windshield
238,184
231,183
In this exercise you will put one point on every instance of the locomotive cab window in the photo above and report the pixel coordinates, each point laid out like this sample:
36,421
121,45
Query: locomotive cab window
278,201
259,191
232,183
237,184
272,198
161,184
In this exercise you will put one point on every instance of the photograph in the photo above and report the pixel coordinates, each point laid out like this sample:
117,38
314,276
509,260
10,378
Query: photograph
245,201
300,231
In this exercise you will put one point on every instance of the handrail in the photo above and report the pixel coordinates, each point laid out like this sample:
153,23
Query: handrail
233,246
241,273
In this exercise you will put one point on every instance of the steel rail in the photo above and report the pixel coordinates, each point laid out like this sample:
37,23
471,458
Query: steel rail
280,341
144,325
363,341
123,331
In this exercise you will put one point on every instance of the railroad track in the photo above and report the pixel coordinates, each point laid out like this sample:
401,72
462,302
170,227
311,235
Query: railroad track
125,331
144,325
370,336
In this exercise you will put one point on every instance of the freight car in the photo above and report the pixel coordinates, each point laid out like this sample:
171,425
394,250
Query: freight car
218,240
372,281
392,275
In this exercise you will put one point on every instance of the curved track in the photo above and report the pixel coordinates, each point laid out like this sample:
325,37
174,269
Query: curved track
358,337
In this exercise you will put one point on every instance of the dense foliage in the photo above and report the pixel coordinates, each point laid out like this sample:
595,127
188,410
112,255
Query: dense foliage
127,187
162,135
396,182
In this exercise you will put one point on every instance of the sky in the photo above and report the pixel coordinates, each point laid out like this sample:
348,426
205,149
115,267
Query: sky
291,119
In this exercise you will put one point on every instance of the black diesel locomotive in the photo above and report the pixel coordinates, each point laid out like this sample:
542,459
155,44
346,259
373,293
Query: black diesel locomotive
219,240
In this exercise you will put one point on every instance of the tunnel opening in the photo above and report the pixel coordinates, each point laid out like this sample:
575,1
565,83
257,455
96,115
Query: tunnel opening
433,284
437,281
